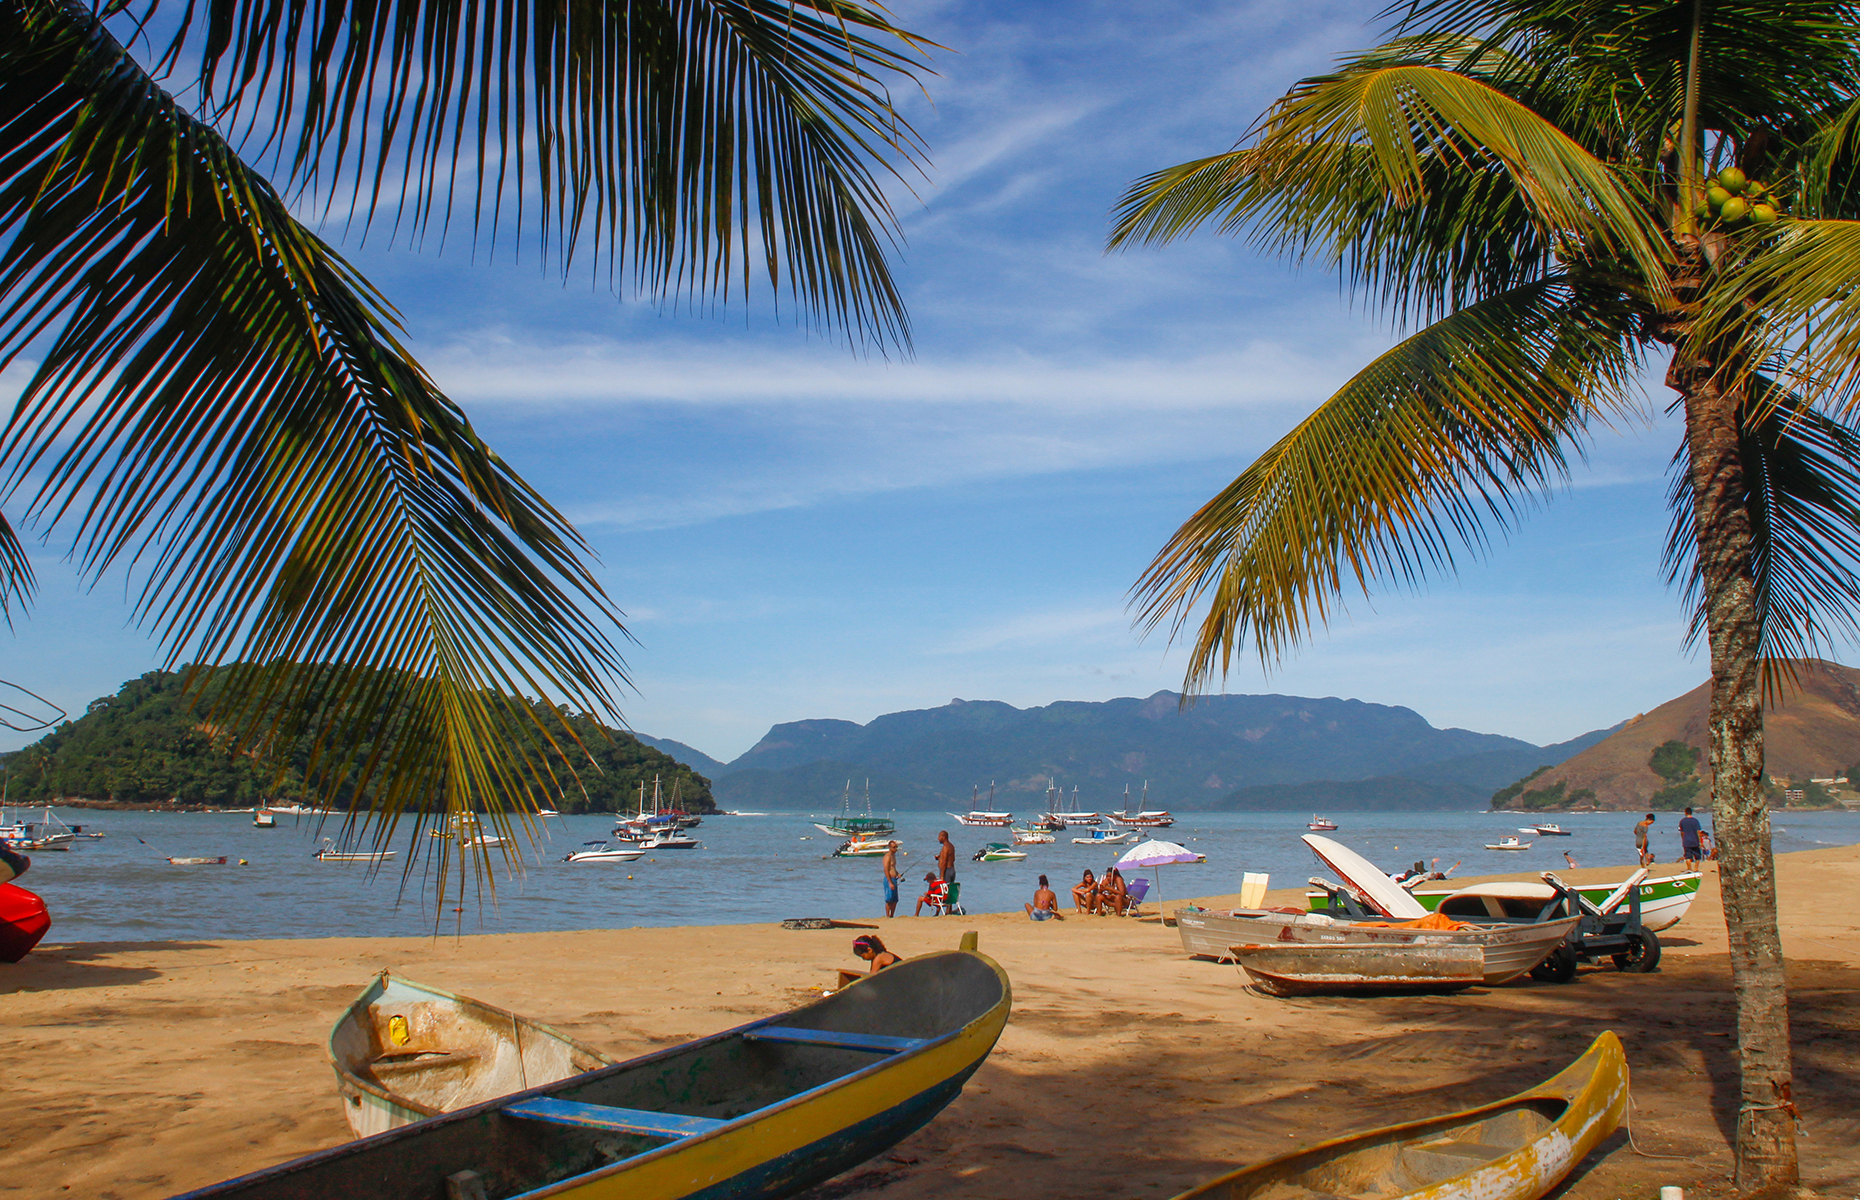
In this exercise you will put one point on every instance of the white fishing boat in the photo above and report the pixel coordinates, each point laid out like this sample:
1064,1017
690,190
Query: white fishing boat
331,853
46,833
662,840
264,818
1105,837
1663,901
601,852
1508,843
1033,837
404,1052
1321,825
1545,830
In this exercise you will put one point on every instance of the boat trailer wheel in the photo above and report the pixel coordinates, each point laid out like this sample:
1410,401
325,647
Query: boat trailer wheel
1559,967
1642,953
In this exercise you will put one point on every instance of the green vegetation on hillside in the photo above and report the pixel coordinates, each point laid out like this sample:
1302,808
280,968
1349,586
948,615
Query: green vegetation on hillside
1675,762
1520,796
146,745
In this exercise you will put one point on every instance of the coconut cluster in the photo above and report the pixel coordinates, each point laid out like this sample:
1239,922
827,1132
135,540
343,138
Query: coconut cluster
1731,202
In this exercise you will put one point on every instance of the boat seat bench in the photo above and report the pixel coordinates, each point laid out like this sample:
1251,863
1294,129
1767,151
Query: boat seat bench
875,1043
607,1116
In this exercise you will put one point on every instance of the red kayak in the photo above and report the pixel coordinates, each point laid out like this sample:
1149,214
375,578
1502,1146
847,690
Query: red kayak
23,921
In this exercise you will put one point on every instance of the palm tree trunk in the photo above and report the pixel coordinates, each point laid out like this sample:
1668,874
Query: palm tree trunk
1765,1147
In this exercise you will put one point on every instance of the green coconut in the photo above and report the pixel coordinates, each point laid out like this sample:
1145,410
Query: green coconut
1734,210
1731,179
1715,197
1763,214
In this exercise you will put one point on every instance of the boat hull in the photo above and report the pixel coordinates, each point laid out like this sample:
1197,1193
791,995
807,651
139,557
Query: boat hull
1516,1149
813,1111
449,1052
23,921
1316,969
1510,950
1663,902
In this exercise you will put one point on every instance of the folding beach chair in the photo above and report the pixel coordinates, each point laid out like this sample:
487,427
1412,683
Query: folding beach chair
1134,891
950,902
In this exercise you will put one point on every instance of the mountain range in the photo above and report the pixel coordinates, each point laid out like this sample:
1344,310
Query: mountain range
1214,753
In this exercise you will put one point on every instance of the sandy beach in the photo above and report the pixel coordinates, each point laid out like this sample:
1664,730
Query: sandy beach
1128,1070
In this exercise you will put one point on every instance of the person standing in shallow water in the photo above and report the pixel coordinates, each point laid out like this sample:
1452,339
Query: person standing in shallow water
892,875
1641,831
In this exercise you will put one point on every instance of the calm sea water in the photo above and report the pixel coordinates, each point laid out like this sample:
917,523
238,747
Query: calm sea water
749,869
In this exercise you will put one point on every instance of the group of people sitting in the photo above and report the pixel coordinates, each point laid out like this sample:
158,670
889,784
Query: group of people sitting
1107,895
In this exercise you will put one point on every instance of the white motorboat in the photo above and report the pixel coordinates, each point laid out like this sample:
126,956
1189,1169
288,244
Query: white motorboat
998,852
602,852
329,853
1033,837
663,840
264,818
1663,901
1508,843
873,847
1545,830
467,830
1105,837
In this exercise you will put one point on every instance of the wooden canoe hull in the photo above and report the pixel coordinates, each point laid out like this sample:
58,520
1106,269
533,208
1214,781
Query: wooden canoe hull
780,1117
1304,970
403,1051
1516,1149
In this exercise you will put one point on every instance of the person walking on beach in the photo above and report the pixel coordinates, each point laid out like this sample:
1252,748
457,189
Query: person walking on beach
1640,840
1045,906
1689,835
892,875
945,857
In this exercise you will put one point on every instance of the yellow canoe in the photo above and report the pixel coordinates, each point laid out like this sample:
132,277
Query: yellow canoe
758,1112
1516,1149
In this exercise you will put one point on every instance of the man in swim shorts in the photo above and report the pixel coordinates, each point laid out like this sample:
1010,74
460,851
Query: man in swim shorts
1689,834
892,876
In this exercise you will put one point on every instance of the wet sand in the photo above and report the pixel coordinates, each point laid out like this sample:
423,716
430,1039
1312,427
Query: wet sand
1128,1070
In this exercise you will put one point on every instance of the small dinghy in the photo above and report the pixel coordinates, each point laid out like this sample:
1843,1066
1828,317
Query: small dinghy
764,1110
1308,969
1507,843
1516,1149
216,861
404,1051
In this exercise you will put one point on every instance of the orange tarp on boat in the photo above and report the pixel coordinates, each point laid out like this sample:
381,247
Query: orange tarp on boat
1432,920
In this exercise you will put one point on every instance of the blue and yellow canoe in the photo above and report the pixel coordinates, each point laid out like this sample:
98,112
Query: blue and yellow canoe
763,1110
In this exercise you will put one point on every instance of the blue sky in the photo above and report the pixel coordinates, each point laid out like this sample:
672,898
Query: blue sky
799,531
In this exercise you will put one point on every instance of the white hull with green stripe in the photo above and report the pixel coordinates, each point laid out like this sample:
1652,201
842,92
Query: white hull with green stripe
1662,901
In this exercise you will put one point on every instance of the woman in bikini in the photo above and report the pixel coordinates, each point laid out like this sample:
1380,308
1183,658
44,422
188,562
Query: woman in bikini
1085,895
872,950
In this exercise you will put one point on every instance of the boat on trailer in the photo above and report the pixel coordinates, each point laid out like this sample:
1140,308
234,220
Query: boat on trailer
764,1110
1517,1149
404,1052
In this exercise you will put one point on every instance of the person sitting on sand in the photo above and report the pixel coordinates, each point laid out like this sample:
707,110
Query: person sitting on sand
1085,895
1045,906
935,892
1112,894
868,947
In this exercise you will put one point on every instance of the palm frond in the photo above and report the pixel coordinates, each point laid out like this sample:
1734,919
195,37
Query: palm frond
16,580
1802,475
221,404
1798,284
1431,185
688,143
1437,440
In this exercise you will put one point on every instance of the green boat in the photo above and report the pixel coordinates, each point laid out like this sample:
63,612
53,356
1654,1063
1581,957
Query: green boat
1662,901
858,828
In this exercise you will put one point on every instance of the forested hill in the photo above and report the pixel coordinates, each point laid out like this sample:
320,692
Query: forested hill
145,746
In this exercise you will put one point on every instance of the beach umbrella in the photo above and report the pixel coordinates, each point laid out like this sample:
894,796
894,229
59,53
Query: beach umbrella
1157,853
